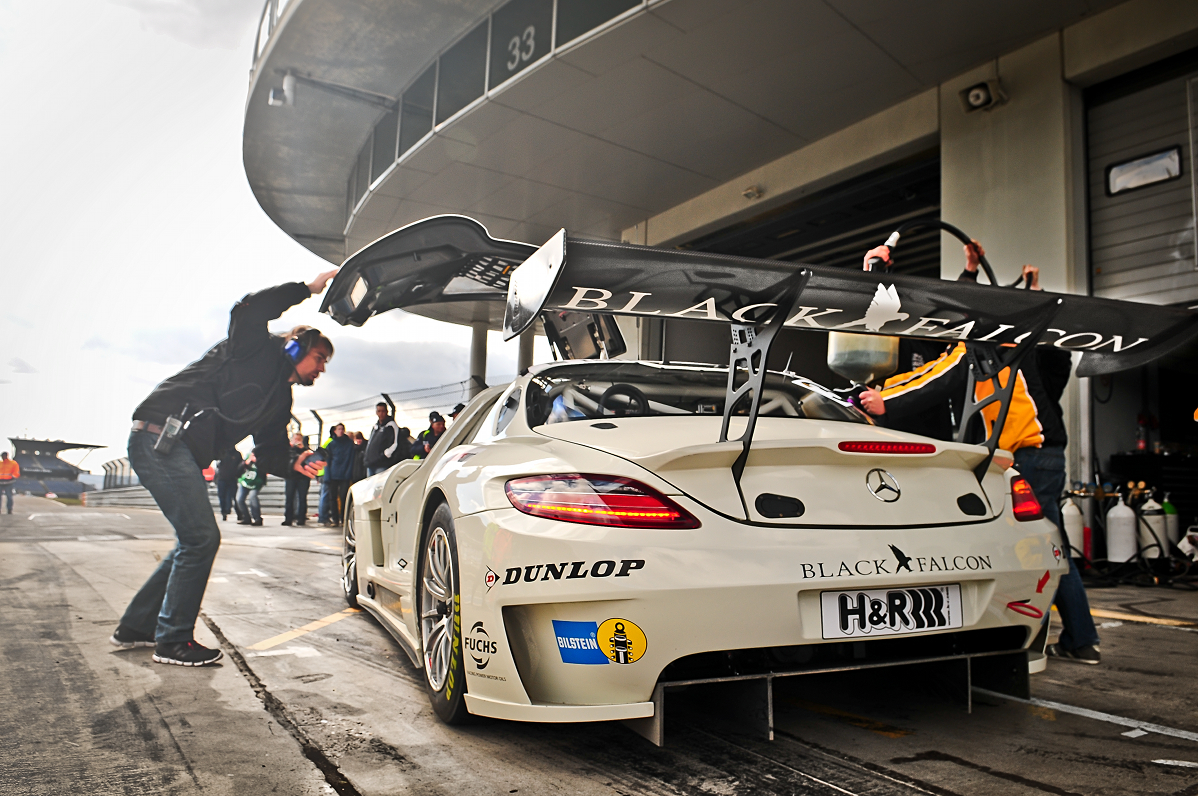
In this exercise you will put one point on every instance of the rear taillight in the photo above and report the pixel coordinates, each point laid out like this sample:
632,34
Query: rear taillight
1023,501
597,500
887,447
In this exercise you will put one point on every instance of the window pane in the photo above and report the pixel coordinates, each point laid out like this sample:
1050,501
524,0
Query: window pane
384,145
350,192
1141,172
520,34
576,17
416,118
463,73
362,173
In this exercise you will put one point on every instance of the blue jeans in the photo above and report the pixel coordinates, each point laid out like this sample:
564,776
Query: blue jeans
1044,469
295,499
332,499
225,492
247,501
168,603
374,470
7,489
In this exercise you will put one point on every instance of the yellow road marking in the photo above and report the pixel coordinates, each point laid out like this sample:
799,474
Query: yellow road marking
322,544
283,638
863,722
1100,613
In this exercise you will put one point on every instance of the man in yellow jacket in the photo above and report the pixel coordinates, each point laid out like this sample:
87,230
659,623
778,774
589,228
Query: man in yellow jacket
10,471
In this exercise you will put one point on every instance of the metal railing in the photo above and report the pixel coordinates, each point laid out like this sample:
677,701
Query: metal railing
267,23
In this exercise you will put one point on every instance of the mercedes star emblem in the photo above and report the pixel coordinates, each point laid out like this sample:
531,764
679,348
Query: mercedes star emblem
882,485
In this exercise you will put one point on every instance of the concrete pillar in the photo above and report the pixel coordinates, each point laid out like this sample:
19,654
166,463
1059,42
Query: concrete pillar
478,358
524,358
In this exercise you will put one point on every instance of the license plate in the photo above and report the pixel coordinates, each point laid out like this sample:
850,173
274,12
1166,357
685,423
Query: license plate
876,613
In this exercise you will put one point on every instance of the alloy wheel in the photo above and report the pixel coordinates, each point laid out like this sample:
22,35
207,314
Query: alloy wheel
436,607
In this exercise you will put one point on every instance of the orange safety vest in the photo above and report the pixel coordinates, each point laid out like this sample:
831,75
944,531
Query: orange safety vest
9,470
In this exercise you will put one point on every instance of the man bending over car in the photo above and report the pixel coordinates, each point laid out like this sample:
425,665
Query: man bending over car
242,386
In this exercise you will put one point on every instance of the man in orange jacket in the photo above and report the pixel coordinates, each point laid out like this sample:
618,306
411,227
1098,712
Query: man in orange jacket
10,471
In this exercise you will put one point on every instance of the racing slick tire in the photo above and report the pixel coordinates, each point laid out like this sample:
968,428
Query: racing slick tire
349,557
439,607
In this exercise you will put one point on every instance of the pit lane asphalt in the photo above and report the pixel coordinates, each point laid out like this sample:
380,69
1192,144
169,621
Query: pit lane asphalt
340,709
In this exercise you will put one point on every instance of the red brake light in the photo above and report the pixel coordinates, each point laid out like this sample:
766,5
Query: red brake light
887,447
1023,501
597,500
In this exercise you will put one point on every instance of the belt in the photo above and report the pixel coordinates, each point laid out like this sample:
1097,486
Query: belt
141,425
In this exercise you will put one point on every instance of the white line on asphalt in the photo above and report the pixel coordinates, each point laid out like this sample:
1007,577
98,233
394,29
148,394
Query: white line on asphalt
99,538
299,652
1136,733
1099,716
257,572
1182,763
220,580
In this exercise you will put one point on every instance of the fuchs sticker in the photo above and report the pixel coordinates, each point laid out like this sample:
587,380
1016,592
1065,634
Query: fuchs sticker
480,646
877,613
577,642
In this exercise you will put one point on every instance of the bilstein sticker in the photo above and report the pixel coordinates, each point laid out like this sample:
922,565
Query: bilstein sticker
611,641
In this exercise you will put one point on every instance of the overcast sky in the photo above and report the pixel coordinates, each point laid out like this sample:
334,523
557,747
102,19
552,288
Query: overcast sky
129,230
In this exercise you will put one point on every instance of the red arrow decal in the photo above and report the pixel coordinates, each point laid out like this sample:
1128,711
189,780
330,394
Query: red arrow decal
1041,582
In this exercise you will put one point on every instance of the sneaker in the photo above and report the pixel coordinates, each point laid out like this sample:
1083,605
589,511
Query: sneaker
224,518
1086,654
256,522
127,638
186,653
285,522
243,522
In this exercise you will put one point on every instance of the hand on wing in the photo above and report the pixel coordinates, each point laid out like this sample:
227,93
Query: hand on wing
871,401
318,284
973,255
1031,275
881,252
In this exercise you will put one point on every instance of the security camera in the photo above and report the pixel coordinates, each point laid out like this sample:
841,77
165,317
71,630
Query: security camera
984,96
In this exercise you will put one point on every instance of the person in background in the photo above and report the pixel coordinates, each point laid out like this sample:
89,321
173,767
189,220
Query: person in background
359,458
457,410
429,437
385,447
228,469
248,487
1034,433
338,469
10,471
295,493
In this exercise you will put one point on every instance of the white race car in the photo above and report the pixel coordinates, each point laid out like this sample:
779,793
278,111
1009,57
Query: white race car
600,530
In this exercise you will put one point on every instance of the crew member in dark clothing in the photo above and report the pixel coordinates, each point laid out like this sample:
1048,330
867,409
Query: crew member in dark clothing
359,471
228,470
295,486
429,437
385,447
242,386
338,469
1034,433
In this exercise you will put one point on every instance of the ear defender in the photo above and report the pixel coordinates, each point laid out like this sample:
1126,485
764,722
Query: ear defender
294,350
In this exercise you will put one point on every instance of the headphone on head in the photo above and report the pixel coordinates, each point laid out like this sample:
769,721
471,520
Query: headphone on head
300,344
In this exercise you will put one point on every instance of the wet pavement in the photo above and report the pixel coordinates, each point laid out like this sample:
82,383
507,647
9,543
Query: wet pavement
337,707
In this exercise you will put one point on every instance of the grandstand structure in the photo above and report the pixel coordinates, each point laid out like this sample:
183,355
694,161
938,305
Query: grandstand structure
41,469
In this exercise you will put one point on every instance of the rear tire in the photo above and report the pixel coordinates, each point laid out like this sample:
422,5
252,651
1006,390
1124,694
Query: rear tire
349,558
439,608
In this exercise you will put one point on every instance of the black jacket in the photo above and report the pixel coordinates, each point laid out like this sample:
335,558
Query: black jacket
240,387
231,466
385,448
294,453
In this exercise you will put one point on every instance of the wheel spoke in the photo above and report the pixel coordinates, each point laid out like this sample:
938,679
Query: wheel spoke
436,618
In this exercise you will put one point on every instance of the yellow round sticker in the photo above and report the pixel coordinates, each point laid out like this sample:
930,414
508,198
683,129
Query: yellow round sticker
621,641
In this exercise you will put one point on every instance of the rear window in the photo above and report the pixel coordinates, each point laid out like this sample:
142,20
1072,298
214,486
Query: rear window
626,389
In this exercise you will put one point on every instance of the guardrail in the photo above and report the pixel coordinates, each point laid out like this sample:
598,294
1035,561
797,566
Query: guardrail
137,497
267,23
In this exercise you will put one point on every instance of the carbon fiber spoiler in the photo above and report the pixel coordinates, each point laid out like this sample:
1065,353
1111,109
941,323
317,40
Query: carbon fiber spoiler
595,277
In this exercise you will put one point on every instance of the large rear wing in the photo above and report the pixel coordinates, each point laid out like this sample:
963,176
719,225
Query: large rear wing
595,277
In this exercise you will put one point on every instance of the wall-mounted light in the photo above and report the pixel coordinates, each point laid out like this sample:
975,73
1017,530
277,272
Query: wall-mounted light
984,96
284,95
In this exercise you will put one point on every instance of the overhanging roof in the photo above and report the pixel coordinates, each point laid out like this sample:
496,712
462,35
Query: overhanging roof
681,96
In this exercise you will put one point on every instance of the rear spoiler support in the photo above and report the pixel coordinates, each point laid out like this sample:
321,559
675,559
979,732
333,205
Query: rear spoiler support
750,351
986,361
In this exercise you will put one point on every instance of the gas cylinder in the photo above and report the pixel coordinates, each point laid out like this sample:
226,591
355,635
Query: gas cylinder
1172,521
1074,522
1152,516
862,358
1120,533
